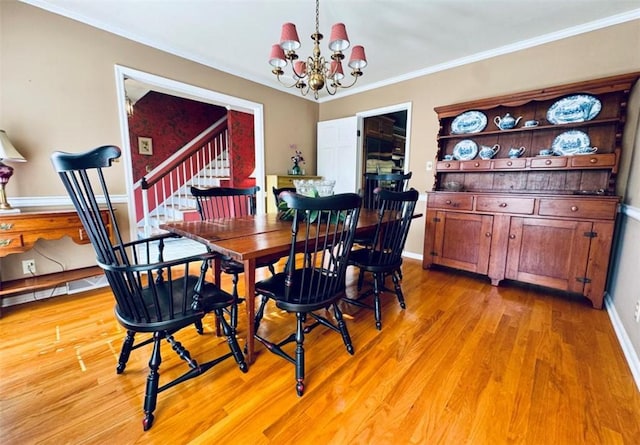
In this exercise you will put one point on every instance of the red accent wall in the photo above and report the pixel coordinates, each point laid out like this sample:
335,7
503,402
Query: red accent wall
170,122
242,150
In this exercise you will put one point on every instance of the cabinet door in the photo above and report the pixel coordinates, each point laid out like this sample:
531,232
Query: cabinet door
463,241
547,252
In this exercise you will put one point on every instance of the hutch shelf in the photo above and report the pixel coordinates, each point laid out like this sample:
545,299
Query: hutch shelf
545,220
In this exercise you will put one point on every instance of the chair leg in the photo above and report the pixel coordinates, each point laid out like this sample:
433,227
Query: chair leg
342,326
127,346
234,308
260,314
300,317
229,332
377,285
199,328
153,379
233,311
396,285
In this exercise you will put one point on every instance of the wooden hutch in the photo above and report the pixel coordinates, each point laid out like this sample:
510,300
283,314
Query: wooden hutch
545,220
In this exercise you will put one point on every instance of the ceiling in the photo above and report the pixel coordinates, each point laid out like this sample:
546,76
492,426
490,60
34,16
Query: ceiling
402,38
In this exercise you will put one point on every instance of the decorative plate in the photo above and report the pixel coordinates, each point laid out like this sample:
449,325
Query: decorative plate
469,122
577,108
465,150
570,142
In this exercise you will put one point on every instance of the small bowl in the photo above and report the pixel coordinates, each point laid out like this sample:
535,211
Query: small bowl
453,186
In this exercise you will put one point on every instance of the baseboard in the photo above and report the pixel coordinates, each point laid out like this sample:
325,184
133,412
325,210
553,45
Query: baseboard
625,342
414,256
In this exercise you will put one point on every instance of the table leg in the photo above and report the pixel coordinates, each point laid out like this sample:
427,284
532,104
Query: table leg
250,303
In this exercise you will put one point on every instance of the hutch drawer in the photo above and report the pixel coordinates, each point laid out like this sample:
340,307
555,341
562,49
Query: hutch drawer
476,165
578,208
505,204
448,165
548,162
517,163
458,201
604,160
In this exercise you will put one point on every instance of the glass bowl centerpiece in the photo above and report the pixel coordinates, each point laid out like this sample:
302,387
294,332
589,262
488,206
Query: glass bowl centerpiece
314,187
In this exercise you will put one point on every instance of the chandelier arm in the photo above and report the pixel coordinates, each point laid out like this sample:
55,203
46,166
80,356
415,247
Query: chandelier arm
283,83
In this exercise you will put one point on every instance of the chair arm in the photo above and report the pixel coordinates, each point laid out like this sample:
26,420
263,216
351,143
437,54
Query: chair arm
146,267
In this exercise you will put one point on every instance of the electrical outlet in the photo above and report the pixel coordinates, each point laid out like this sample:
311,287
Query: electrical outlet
429,165
29,267
636,314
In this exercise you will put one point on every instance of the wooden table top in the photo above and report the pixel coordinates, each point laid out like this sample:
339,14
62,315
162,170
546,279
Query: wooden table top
249,237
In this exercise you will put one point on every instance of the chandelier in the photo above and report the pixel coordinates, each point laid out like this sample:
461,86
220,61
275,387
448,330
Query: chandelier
317,72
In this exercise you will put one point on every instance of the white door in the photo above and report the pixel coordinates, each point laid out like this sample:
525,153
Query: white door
338,154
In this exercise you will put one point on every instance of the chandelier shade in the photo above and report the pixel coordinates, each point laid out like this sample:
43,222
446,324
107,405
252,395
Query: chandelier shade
316,72
357,60
289,40
339,40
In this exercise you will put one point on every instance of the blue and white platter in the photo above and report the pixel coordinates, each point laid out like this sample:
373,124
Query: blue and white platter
576,108
571,142
469,122
465,150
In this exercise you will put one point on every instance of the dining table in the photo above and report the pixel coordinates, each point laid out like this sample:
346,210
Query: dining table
250,239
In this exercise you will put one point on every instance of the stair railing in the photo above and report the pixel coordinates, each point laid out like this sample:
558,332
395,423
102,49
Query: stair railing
203,162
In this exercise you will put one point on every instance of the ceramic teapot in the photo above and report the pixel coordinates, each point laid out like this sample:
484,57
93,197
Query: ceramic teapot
506,122
487,152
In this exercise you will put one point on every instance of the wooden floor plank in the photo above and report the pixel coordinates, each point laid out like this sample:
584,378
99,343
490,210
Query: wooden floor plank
466,362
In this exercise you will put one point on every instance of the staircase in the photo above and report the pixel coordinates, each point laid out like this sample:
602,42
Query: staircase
164,194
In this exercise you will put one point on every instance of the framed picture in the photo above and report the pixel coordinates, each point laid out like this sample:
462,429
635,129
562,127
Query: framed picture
145,146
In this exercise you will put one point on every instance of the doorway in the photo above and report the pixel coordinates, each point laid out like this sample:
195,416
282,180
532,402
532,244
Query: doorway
147,81
385,141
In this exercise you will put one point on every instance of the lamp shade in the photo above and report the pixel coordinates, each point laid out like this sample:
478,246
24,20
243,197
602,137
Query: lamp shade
339,40
336,73
358,60
300,68
276,58
289,40
8,151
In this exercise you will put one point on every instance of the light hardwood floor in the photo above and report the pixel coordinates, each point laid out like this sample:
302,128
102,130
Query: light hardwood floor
464,363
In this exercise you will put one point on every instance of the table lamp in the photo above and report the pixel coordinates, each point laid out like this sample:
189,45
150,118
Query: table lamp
7,153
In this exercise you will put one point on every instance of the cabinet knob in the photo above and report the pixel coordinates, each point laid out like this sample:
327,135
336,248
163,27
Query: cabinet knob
447,165
503,204
477,164
547,162
512,236
448,202
574,208
509,163
593,160
488,234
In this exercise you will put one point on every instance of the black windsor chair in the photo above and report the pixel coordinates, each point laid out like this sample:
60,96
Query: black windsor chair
322,234
158,298
229,202
383,256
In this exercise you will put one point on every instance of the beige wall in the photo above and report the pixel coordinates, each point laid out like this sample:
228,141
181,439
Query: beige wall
58,92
